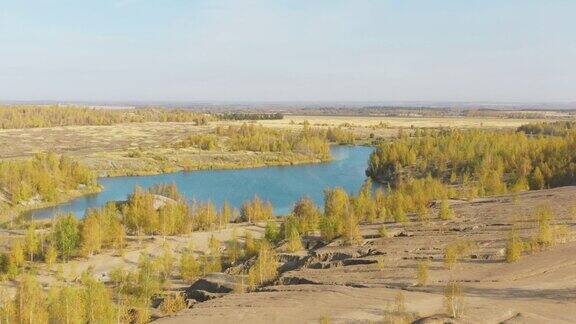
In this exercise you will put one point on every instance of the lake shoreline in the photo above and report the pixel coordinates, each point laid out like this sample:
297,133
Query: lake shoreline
281,183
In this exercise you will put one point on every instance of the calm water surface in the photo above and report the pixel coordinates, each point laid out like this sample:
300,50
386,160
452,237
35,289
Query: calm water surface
281,185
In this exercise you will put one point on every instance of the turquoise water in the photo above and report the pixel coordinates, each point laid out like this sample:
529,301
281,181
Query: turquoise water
281,185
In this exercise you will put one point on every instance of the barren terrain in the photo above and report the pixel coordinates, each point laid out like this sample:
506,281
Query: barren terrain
347,284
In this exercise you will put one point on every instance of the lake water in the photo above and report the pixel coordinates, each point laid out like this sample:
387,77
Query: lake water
281,185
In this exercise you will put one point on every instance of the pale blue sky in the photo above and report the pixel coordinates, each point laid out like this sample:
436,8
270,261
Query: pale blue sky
288,50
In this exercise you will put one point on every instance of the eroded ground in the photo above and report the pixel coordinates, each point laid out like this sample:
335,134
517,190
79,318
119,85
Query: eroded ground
347,284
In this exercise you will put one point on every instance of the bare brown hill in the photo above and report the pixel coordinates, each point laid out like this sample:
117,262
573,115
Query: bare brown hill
357,284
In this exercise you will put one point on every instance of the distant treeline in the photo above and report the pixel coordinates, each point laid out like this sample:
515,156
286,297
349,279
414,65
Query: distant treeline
479,162
249,116
503,114
52,116
45,177
392,111
559,128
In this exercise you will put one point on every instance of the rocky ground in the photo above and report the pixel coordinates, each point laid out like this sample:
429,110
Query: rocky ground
344,284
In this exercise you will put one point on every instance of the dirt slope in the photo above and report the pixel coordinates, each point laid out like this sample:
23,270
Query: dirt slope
347,284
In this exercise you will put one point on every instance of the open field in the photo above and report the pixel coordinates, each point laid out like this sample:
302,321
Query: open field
403,122
347,284
365,127
134,149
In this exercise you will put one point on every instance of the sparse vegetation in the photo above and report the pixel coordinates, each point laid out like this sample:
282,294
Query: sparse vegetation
455,251
454,300
514,246
422,273
265,268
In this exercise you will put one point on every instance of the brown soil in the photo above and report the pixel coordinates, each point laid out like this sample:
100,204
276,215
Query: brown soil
346,284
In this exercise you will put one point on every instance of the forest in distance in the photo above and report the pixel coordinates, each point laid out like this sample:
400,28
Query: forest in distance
160,243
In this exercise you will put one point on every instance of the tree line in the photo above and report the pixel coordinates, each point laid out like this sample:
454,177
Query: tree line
249,116
29,116
559,128
478,162
46,177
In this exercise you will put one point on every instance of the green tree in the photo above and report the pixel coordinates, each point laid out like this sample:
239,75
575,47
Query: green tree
66,305
189,267
31,301
66,235
91,235
97,300
272,232
307,214
32,242
265,268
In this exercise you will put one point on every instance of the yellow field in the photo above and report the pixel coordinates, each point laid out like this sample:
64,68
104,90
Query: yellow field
106,149
402,122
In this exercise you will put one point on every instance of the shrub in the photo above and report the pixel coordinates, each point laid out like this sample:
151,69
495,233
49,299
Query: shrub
265,268
250,244
454,300
383,231
422,273
545,232
272,232
307,215
294,243
172,304
381,262
234,248
456,250
396,312
17,254
66,235
514,246
189,267
446,211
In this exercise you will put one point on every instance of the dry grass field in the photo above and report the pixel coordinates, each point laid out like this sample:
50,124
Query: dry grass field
146,148
110,150
402,122
134,149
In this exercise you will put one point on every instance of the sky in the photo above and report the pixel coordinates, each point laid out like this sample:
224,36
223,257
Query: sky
288,50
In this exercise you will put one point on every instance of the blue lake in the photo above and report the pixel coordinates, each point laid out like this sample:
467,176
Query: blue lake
281,185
